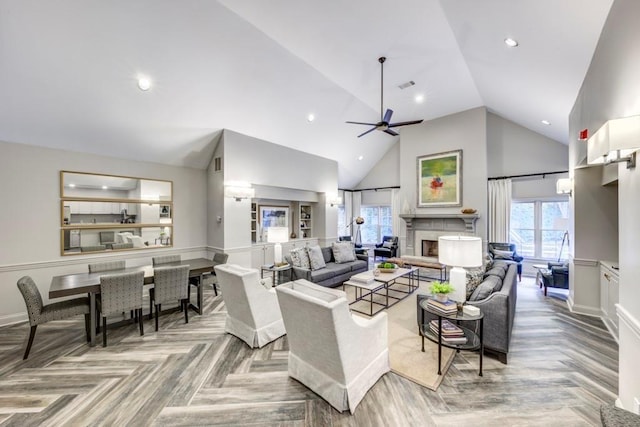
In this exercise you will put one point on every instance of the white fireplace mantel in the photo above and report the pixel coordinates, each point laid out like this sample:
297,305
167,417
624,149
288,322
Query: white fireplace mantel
418,224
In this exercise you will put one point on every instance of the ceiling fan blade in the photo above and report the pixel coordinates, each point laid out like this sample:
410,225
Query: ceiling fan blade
361,123
387,115
412,122
363,134
390,132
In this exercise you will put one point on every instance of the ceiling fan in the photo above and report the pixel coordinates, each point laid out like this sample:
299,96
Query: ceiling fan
384,124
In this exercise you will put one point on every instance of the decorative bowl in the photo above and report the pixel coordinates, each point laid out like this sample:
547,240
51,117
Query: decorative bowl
387,270
468,211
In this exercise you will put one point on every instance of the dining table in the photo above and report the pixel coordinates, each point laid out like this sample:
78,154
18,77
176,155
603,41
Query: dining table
89,283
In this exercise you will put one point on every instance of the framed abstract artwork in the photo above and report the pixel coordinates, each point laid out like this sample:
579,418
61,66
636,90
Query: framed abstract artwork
274,216
440,179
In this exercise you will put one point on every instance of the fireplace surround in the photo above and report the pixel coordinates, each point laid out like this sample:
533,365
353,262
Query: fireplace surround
431,226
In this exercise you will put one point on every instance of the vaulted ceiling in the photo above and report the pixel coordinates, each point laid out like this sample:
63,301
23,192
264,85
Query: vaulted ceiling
69,71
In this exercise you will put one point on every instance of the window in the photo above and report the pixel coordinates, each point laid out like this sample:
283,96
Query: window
538,228
377,223
342,221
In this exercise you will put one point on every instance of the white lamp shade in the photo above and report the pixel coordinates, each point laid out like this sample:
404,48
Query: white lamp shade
618,134
460,251
277,235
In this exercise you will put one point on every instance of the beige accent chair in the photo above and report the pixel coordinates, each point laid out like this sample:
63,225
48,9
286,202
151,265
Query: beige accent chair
335,354
253,313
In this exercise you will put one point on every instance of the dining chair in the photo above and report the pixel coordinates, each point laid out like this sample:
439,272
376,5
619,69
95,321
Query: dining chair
165,259
157,261
99,267
170,285
40,313
120,293
219,258
106,266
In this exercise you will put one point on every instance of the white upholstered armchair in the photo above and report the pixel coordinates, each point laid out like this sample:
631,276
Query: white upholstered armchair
253,313
335,354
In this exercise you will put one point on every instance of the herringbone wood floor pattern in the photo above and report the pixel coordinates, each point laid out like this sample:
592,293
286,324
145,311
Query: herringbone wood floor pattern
561,368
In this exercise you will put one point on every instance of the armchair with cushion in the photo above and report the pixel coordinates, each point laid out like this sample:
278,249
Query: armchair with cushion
557,276
334,353
387,249
253,313
506,251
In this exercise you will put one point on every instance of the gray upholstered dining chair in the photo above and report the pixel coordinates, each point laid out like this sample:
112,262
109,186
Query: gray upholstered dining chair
219,258
40,313
120,293
106,266
165,259
170,285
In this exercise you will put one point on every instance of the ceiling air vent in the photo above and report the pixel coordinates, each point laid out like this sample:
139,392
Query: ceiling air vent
407,84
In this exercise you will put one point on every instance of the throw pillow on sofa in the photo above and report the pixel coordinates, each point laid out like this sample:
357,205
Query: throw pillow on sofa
475,276
498,254
300,258
316,258
343,252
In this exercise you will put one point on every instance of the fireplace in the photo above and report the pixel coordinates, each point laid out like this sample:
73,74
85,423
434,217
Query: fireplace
430,248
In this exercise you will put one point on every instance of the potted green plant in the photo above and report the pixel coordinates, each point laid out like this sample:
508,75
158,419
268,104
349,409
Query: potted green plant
441,290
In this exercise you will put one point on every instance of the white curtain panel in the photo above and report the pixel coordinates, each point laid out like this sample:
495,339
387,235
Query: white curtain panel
398,223
348,212
355,203
499,210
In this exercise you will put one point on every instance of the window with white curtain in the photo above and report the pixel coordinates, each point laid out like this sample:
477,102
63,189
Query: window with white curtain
342,221
377,223
539,228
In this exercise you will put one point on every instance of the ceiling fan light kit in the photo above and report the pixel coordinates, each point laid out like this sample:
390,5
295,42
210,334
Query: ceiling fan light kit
384,125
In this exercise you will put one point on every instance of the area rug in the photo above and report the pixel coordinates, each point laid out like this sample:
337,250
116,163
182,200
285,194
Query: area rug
406,357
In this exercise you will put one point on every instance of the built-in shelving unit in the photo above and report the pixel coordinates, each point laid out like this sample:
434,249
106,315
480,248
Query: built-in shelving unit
306,221
254,222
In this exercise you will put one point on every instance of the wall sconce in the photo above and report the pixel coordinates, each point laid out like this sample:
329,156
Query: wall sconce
334,200
616,141
239,190
564,186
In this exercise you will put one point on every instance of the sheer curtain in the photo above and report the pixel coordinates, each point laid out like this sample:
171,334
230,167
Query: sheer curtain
499,210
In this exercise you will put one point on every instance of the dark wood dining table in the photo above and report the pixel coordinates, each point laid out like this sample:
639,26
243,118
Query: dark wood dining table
89,283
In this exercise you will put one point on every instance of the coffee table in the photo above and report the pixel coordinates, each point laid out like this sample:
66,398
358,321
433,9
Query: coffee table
381,285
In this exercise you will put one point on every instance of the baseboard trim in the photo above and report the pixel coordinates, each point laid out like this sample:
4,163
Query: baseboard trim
583,309
10,319
84,260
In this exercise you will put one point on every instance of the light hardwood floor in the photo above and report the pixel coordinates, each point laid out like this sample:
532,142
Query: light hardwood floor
561,368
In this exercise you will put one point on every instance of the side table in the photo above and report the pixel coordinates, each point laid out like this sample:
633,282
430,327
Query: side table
276,272
474,336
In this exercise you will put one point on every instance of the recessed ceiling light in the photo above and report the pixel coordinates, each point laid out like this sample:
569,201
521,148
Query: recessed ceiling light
104,187
360,157
545,122
419,98
144,83
311,118
510,42
72,185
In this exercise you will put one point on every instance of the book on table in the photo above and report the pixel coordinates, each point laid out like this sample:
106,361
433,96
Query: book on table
366,277
448,307
451,333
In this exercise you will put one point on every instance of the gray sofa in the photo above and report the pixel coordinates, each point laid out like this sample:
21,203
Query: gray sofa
333,274
496,297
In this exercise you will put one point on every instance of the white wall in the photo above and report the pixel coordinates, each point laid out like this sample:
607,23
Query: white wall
30,216
386,173
276,172
611,89
467,131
